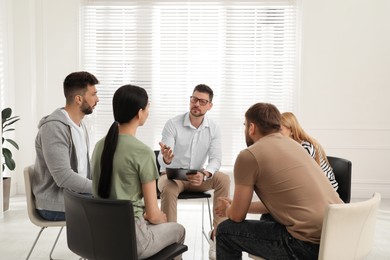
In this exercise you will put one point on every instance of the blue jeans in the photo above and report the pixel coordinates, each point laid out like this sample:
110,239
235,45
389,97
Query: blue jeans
265,237
51,215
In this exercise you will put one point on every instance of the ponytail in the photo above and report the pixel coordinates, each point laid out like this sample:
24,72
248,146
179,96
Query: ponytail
106,161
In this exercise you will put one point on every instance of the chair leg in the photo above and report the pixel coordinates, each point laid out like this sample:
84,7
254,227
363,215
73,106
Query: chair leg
55,243
211,224
35,242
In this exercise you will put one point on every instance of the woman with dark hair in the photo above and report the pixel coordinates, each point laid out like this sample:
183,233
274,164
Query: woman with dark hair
125,168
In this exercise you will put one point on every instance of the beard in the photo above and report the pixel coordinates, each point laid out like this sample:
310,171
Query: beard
248,140
196,112
86,108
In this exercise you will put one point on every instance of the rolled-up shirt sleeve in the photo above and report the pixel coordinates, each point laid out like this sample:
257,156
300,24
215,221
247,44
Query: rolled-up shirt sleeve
168,138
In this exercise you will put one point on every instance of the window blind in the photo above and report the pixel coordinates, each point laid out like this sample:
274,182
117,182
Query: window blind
246,51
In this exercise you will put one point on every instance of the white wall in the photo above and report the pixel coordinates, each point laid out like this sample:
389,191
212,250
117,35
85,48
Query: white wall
45,36
345,80
345,85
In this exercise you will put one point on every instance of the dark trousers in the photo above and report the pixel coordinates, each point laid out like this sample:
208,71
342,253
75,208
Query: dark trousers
265,238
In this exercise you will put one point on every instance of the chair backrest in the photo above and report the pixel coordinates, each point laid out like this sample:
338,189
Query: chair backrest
348,229
33,215
156,152
342,169
100,228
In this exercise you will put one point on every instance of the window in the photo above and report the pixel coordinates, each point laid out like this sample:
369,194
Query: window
246,51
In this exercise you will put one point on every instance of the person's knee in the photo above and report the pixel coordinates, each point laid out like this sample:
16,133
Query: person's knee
161,183
223,227
223,180
182,234
169,190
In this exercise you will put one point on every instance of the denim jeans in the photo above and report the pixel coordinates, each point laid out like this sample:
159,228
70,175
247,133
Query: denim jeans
265,238
51,215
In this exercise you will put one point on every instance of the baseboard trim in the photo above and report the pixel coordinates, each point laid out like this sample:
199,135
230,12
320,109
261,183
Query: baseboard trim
365,190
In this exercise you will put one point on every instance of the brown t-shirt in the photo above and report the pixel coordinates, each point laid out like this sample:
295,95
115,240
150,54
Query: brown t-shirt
289,182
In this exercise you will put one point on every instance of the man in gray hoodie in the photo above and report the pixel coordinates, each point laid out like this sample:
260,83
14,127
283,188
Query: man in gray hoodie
62,147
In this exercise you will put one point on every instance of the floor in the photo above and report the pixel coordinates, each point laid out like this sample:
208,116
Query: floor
17,234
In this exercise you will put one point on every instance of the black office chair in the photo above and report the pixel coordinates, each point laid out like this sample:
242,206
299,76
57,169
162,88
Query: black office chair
342,169
104,229
188,195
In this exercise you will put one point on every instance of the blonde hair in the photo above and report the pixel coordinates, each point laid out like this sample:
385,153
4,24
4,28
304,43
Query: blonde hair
289,121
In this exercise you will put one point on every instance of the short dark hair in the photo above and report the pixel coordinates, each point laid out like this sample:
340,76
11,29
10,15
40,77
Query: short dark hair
265,116
204,89
76,83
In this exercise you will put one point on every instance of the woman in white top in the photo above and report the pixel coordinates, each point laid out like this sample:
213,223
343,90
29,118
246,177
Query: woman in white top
290,127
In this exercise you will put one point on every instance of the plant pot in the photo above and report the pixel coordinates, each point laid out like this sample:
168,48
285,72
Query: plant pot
6,192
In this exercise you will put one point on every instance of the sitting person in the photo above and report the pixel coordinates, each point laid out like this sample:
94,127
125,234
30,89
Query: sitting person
187,141
291,127
62,148
293,193
125,168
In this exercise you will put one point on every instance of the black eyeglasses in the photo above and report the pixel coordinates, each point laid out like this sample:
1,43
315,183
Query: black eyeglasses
202,101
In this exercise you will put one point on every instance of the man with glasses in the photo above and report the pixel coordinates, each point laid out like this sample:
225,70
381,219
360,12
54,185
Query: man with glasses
188,140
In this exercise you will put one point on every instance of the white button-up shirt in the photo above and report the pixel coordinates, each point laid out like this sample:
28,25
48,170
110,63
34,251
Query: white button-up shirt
192,146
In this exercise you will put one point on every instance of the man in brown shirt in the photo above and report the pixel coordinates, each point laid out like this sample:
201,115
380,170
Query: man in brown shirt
292,189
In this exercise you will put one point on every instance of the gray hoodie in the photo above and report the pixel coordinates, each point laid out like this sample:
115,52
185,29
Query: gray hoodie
56,163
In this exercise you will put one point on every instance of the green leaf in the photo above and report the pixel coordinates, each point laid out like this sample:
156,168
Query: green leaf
9,162
13,143
6,113
10,121
9,130
7,153
7,120
11,165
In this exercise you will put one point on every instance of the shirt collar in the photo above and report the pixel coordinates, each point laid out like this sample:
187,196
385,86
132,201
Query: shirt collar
187,121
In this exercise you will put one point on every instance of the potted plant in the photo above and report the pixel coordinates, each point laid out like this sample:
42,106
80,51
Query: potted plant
7,120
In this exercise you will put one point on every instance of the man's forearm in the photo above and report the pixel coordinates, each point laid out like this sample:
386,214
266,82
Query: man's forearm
257,207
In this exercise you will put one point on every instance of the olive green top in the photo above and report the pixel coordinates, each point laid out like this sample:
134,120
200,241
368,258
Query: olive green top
134,164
